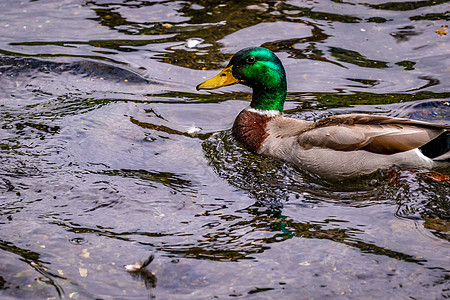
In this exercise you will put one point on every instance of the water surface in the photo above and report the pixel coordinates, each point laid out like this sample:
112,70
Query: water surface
98,168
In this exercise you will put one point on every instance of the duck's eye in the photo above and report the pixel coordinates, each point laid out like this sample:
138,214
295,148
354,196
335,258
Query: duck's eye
250,60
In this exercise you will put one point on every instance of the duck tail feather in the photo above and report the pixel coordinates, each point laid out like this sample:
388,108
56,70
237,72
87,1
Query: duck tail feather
438,148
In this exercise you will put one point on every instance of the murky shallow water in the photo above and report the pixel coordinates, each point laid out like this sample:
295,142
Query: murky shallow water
98,169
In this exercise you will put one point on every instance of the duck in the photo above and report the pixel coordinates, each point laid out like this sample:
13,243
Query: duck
335,147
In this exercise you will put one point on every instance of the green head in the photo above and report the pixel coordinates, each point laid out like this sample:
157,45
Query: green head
258,68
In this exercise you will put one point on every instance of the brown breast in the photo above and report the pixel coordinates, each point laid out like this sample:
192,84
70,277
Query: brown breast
249,128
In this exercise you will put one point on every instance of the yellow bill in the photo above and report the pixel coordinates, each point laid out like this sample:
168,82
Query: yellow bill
224,78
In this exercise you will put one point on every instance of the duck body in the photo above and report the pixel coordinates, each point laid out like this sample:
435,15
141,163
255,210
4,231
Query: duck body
341,146
336,147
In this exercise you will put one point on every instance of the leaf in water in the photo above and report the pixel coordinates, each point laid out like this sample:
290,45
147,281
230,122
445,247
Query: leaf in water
84,253
83,272
442,31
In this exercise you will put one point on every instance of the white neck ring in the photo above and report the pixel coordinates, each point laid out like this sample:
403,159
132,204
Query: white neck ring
267,113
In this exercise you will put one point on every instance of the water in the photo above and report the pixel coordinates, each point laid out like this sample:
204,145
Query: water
99,167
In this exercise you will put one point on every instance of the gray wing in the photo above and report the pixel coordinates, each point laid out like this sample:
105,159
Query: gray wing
377,134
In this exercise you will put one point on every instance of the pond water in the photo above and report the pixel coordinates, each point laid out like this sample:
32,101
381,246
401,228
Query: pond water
109,155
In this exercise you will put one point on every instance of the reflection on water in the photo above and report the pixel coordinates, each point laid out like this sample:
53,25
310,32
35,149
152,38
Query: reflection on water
108,155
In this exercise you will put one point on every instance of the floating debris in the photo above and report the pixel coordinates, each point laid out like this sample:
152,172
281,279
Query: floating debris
442,31
84,253
83,272
140,265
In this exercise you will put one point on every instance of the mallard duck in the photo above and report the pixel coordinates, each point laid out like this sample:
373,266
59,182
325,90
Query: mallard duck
335,147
